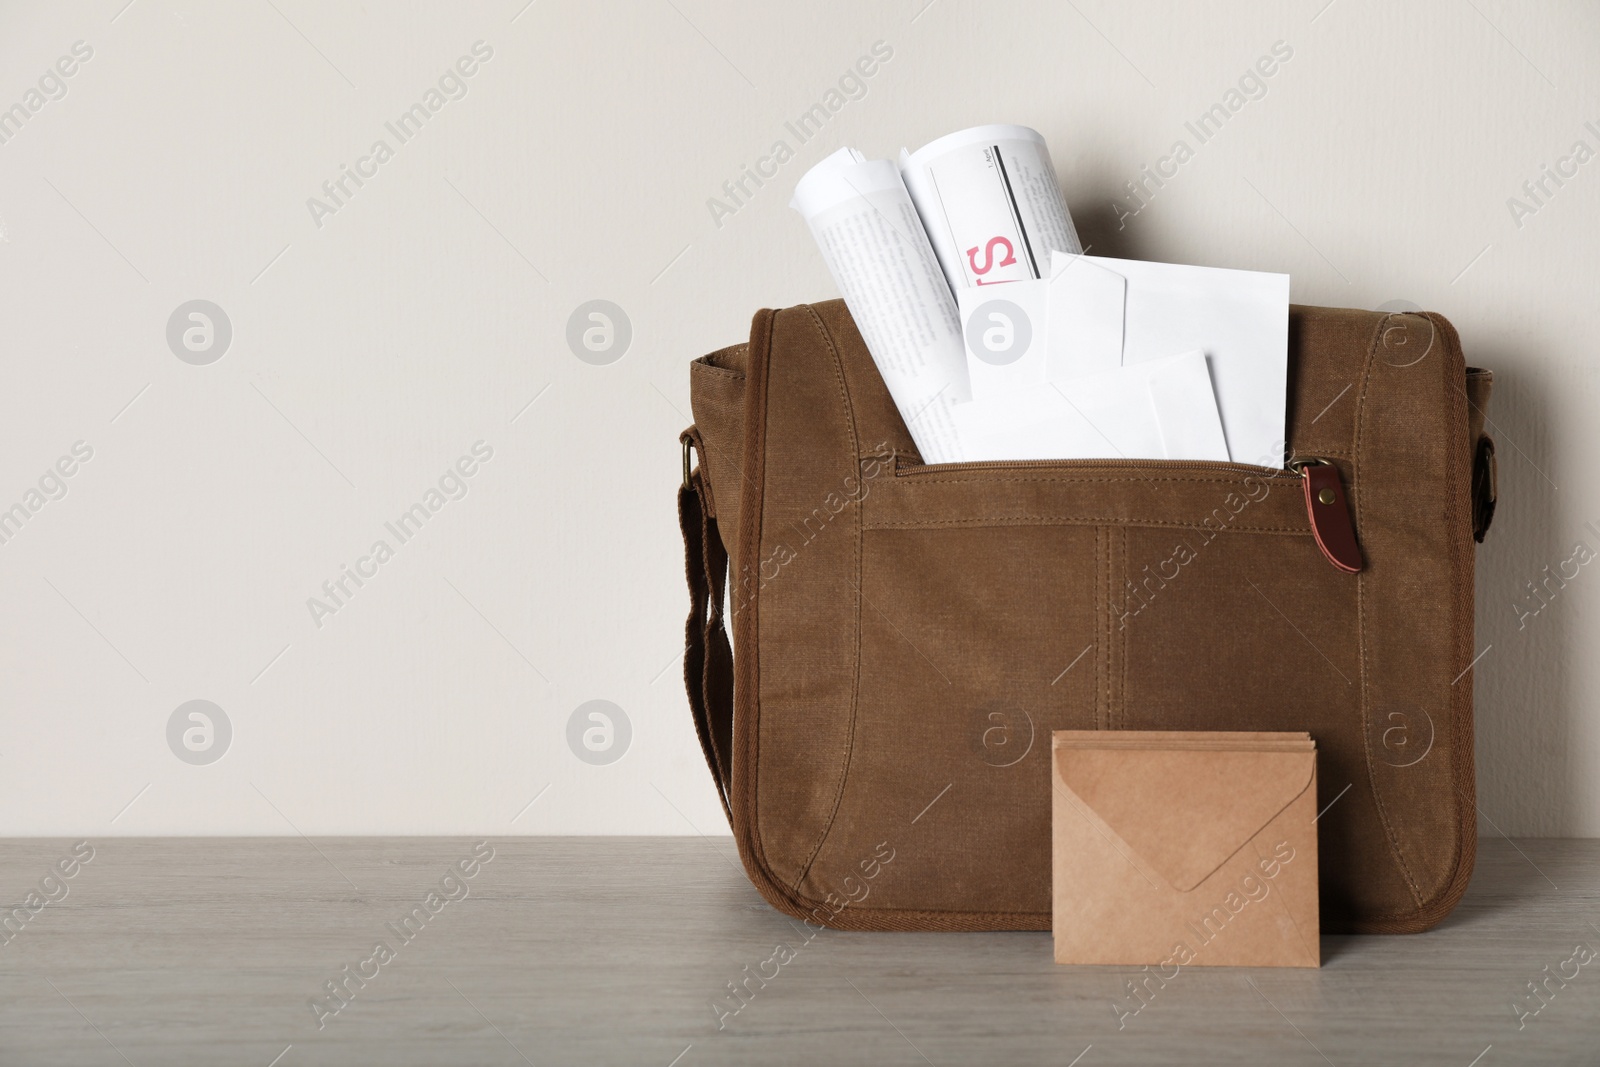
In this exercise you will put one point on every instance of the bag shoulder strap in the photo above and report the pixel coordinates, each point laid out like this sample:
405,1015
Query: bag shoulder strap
708,657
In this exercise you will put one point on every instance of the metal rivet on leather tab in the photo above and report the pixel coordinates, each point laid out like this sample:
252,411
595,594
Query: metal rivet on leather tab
1326,497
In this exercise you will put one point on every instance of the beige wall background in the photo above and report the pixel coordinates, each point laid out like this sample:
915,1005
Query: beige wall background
377,340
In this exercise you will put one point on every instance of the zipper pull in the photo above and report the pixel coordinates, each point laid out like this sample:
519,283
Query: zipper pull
1329,513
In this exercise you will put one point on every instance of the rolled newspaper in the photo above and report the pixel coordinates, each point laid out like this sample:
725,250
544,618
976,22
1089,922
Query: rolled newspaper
990,203
878,253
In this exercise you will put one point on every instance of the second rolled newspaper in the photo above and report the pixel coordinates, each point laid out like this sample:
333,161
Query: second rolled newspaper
991,205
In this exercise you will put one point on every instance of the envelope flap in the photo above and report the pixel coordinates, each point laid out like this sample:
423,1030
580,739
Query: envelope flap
1185,813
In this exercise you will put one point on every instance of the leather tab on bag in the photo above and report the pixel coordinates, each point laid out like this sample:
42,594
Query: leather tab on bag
1329,512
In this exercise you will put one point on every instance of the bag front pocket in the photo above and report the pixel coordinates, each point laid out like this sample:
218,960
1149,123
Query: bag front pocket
1002,601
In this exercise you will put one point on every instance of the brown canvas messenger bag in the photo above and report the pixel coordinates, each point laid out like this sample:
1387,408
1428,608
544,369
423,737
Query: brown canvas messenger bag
905,636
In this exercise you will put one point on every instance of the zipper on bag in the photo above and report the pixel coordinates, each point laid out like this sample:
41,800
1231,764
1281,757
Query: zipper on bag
911,470
1327,506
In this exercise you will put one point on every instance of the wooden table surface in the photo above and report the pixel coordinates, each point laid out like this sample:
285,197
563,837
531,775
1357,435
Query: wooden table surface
616,951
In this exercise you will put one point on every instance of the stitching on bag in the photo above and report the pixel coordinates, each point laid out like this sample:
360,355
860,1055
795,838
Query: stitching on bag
1110,632
1458,469
742,348
1120,635
1071,520
767,884
1101,611
1099,628
1105,642
1102,652
750,521
721,372
1462,561
756,430
855,681
1361,628
928,479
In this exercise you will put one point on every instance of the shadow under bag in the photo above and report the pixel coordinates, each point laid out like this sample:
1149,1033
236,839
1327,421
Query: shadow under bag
906,636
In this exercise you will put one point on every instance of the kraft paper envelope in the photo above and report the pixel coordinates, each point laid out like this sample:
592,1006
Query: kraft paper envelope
1178,849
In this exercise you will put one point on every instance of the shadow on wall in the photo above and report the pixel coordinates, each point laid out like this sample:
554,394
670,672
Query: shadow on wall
1528,566
1095,216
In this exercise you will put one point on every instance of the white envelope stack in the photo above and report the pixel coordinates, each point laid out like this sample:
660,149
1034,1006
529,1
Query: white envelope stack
1035,350
1123,359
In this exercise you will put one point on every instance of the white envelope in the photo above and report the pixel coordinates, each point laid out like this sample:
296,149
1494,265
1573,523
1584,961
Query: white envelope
1239,318
1003,327
1158,409
1186,407
1085,305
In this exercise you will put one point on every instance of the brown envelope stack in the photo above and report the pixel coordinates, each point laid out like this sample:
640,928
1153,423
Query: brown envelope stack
1179,848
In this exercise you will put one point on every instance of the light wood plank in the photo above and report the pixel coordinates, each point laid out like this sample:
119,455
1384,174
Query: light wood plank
579,951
